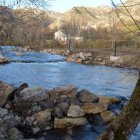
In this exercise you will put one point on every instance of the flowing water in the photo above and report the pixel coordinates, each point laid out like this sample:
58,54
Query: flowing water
46,70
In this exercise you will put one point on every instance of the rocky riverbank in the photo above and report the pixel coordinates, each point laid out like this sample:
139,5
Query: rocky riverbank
96,58
26,112
93,58
3,60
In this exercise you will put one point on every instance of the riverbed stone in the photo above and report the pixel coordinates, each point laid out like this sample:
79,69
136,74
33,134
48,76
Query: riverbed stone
94,108
69,122
33,94
75,111
108,116
68,92
108,100
5,91
86,96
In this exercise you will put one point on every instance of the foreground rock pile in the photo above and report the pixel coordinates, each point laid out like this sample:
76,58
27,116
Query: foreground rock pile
24,111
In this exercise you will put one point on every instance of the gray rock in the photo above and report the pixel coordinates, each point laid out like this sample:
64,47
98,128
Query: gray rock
41,138
46,104
35,108
3,112
75,102
69,131
3,133
10,121
29,121
15,134
81,55
5,91
33,95
7,106
68,137
64,107
63,92
36,130
58,112
17,118
86,96
88,54
75,111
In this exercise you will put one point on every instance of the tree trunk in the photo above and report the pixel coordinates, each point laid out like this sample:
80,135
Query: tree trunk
124,124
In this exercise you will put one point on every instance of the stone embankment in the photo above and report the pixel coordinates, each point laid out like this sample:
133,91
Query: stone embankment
25,112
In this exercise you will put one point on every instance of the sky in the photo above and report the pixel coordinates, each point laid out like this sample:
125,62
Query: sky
64,5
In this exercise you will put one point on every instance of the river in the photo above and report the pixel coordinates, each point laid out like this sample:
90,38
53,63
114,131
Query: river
46,70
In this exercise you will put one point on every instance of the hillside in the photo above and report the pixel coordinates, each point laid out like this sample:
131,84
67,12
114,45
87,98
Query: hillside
89,16
99,16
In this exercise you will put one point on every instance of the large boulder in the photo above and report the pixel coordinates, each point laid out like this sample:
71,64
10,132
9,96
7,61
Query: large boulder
94,108
86,96
75,111
42,118
69,122
68,92
108,100
33,95
108,116
5,91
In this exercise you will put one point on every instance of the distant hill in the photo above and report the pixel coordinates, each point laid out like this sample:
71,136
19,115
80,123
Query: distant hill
89,16
99,16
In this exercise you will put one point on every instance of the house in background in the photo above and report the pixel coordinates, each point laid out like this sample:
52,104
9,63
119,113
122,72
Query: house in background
60,36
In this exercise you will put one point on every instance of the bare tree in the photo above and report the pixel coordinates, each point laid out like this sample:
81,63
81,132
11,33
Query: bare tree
128,119
70,28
